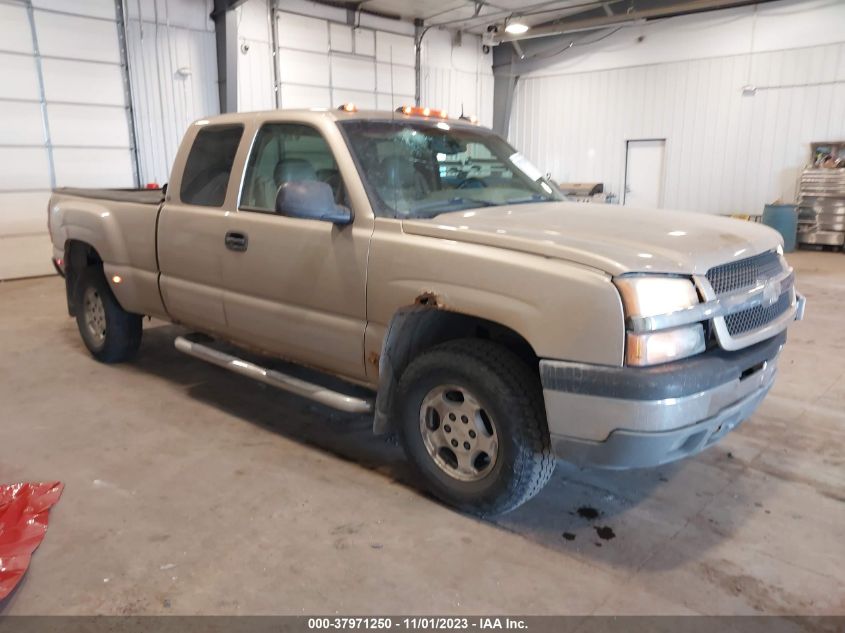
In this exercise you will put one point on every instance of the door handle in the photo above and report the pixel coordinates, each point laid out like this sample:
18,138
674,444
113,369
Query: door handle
236,241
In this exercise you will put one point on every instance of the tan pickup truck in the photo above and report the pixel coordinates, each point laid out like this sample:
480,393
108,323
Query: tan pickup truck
470,308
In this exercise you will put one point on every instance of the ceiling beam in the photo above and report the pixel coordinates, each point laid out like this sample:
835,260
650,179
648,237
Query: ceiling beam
226,35
559,7
221,6
587,24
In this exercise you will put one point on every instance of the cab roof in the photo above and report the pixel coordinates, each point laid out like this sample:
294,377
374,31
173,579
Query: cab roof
334,114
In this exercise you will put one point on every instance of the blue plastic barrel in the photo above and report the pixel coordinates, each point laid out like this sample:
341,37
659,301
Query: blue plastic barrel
784,219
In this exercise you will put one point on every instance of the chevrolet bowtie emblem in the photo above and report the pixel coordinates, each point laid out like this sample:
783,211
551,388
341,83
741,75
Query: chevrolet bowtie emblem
771,292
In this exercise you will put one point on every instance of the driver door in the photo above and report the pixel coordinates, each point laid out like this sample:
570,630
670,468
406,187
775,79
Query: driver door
295,287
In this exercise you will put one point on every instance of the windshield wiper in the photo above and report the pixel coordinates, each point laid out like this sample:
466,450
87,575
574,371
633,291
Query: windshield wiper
460,200
534,197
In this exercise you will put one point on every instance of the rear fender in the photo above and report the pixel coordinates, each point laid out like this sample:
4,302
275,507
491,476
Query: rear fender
91,222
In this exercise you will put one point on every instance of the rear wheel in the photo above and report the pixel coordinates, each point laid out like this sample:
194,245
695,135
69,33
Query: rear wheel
472,422
110,333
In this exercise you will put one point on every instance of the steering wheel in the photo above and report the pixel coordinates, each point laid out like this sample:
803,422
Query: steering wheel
472,183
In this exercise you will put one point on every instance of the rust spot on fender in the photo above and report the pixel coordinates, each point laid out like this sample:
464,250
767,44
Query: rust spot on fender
428,298
373,358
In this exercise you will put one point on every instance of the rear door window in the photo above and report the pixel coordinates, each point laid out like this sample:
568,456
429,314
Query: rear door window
209,165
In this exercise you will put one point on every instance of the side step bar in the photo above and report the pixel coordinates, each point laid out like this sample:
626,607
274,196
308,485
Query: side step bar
309,390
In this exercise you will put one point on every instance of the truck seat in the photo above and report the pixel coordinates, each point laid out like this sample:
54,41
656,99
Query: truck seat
294,169
400,182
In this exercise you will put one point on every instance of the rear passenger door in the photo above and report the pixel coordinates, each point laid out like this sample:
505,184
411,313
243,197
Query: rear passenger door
193,223
297,289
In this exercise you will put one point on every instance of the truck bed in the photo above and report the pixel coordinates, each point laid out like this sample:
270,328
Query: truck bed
152,197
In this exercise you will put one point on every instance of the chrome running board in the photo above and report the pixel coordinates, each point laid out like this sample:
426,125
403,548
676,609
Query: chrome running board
309,390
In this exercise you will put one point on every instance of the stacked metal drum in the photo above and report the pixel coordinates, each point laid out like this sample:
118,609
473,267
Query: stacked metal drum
821,207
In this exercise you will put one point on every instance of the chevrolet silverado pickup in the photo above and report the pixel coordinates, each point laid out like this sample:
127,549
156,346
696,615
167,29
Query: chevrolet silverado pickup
429,267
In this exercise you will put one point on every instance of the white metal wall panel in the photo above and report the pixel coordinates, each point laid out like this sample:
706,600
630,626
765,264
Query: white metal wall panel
396,49
302,33
93,8
74,132
390,102
185,14
80,126
173,72
341,38
14,29
363,100
457,77
325,63
26,254
74,37
303,67
398,80
18,77
354,73
21,123
305,97
18,220
255,79
25,168
365,42
83,82
256,89
725,153
76,167
25,177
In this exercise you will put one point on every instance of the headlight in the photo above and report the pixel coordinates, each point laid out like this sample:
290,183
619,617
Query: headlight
654,295
653,348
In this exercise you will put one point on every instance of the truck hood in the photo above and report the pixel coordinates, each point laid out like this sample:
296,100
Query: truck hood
611,238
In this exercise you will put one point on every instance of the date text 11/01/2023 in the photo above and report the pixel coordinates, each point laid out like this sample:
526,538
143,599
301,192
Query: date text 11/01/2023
417,623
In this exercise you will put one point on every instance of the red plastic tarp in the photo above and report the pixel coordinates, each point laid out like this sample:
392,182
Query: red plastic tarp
24,513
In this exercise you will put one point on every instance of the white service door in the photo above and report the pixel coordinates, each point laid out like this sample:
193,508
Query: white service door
644,174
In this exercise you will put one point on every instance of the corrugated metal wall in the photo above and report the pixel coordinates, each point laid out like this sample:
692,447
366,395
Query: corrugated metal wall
173,70
457,77
725,153
255,58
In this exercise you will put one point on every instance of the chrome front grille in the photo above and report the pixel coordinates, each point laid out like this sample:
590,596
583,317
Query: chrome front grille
754,318
745,273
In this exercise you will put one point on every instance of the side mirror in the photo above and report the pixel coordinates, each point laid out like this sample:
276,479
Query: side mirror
310,199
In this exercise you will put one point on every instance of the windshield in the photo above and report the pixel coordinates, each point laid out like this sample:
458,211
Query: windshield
420,169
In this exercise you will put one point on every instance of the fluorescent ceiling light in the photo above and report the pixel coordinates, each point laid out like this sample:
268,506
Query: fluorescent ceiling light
516,28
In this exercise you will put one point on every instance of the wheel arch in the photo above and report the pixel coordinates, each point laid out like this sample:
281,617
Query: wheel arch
423,325
78,256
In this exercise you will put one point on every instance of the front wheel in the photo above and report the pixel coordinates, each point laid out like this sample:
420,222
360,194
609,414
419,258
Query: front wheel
472,422
110,333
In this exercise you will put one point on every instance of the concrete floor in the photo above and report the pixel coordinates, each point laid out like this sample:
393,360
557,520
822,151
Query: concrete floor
190,490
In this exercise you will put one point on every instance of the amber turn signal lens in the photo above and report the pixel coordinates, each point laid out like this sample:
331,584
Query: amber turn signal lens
428,112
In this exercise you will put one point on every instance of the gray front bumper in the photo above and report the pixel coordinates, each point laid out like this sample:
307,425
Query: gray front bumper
635,417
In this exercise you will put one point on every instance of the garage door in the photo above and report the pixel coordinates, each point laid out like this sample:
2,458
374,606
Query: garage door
325,64
63,117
